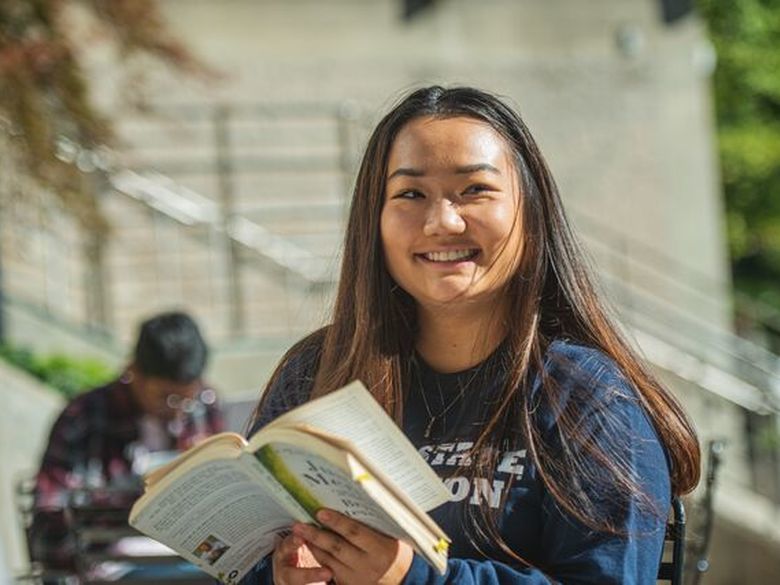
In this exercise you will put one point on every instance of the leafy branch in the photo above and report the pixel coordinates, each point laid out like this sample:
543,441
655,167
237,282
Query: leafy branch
45,97
746,36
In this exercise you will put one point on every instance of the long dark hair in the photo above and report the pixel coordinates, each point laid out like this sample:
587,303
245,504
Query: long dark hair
374,325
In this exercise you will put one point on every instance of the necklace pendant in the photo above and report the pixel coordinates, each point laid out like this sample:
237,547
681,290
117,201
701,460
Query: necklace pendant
429,428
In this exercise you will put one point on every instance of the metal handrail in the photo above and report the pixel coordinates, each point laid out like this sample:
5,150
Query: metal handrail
708,342
189,208
651,257
627,256
643,255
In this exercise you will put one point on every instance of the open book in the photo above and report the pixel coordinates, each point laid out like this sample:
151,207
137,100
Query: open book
224,503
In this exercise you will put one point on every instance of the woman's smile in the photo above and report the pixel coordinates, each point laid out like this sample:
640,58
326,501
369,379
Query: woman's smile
450,256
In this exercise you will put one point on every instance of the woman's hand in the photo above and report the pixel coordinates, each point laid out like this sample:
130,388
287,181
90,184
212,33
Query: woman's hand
355,553
294,564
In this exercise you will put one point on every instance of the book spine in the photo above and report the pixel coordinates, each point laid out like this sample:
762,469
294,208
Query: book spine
278,491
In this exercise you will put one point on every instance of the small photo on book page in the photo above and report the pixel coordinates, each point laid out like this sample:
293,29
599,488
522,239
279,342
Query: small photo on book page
211,549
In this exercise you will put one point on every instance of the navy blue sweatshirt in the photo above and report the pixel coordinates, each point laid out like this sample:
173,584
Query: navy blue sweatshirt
443,415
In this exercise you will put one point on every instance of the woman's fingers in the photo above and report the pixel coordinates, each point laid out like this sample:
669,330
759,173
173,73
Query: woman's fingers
287,550
328,560
330,542
293,564
353,551
356,533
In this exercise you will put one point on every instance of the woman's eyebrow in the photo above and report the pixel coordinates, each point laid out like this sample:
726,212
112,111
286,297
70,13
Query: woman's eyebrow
406,172
468,169
462,170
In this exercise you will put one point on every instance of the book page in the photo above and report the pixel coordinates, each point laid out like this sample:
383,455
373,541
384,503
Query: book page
357,458
317,476
220,446
217,516
353,414
316,473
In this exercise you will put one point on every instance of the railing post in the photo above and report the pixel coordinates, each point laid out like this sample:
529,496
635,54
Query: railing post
700,554
5,197
226,191
94,282
94,247
7,178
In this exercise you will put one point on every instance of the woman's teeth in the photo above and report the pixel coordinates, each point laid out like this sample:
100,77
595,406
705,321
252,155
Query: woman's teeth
450,255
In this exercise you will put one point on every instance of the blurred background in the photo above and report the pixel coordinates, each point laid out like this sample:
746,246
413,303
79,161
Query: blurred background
200,155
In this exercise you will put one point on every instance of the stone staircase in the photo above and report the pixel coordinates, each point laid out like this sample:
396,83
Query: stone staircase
254,239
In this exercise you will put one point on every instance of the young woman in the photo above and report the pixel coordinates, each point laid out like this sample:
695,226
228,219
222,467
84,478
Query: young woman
465,307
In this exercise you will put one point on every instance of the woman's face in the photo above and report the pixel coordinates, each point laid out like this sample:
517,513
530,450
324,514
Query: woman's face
450,225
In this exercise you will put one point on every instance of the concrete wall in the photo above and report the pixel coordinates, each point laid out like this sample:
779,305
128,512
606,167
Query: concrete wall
619,102
628,133
755,560
29,409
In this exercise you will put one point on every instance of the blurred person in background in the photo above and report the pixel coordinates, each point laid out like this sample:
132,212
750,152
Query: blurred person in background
465,306
107,438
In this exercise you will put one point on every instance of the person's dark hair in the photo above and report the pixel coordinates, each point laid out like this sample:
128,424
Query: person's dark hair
374,325
170,346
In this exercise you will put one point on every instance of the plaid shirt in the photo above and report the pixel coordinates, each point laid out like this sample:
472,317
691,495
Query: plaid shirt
94,448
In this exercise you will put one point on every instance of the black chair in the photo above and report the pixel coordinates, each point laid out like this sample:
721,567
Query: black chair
673,556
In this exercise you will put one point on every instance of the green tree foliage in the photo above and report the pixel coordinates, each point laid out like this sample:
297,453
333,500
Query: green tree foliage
746,35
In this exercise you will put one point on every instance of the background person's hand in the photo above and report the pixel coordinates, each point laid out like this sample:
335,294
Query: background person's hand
294,564
354,552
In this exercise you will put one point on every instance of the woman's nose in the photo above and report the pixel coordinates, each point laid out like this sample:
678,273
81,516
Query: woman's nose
443,218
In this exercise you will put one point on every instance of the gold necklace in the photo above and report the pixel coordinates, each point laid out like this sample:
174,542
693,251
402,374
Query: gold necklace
433,418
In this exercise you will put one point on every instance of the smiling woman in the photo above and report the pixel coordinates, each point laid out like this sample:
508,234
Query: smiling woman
465,307
450,222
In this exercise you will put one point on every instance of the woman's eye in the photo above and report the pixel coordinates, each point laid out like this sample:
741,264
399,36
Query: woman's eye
409,194
476,189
